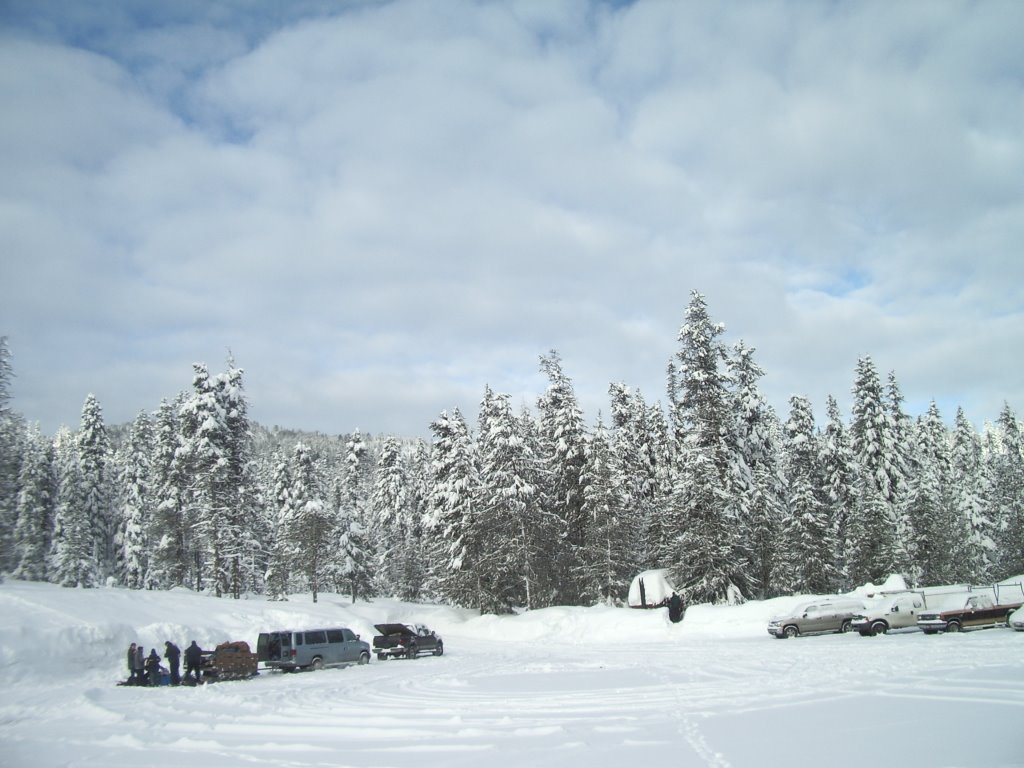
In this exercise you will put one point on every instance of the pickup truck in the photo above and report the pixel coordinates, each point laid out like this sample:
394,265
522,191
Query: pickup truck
890,612
976,612
404,640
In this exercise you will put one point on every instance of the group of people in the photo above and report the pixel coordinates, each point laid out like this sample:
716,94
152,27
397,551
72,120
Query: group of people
147,670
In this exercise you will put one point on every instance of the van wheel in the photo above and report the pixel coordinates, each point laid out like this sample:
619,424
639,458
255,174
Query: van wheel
879,628
790,631
364,658
953,626
439,651
317,664
381,657
846,626
412,652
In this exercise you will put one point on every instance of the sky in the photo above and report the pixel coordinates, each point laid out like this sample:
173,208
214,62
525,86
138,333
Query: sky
380,208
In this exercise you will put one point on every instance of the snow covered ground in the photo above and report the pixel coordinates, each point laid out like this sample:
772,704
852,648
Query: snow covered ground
556,687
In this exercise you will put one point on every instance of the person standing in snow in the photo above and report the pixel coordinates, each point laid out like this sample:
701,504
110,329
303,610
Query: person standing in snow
173,656
153,667
675,608
131,664
139,665
193,661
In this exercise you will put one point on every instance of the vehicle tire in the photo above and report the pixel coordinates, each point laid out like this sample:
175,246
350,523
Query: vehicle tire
846,626
381,657
790,631
364,658
412,652
316,664
879,628
953,626
439,650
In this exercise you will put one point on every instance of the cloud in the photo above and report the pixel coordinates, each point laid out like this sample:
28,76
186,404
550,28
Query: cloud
382,207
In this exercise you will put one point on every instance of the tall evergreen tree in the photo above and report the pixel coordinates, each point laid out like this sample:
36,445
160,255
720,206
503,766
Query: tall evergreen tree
390,516
640,459
35,507
808,531
606,563
563,439
902,435
873,444
757,492
243,552
1008,494
969,486
282,553
839,485
202,458
356,568
512,564
453,520
705,563
134,537
97,491
312,526
72,555
938,536
12,448
168,564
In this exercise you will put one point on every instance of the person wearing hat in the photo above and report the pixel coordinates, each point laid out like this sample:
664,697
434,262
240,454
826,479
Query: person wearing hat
131,664
193,662
153,667
173,655
139,665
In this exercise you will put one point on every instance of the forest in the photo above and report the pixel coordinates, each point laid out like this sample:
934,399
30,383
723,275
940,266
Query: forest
522,509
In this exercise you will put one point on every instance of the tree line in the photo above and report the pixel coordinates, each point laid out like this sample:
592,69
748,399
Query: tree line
522,509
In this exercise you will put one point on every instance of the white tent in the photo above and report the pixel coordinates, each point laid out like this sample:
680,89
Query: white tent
650,589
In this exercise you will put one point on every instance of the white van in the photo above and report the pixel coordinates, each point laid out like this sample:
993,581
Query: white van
311,648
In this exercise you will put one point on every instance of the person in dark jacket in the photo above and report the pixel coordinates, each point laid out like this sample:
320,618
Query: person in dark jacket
675,608
173,656
193,661
153,668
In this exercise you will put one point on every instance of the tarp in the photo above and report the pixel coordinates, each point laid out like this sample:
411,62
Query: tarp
650,589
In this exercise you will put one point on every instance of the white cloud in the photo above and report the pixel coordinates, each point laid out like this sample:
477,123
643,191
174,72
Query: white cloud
382,209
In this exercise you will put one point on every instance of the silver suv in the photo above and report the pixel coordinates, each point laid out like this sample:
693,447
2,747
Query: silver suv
816,617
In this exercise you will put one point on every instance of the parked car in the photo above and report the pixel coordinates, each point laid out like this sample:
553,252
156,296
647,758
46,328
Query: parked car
311,648
817,617
897,611
404,640
1016,620
976,612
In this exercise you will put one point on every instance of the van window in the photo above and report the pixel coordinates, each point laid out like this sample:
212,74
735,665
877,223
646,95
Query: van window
334,636
348,635
298,638
318,637
286,639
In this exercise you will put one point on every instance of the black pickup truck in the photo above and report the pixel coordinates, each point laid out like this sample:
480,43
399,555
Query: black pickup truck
404,640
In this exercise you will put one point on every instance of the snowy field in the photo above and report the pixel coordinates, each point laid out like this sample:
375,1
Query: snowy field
556,687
